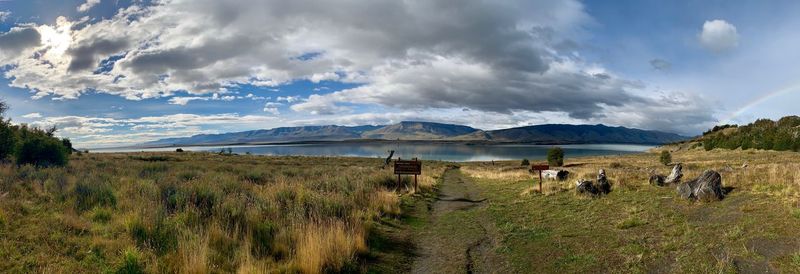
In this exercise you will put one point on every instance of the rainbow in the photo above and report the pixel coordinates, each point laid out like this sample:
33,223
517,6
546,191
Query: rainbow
759,100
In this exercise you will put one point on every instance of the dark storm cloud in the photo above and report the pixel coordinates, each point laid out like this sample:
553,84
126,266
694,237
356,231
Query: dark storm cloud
18,39
86,56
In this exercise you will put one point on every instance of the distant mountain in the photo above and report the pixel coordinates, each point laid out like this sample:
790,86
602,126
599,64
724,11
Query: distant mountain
421,131
281,134
553,133
410,130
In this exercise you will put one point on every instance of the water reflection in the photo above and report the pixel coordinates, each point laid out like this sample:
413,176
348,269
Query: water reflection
446,152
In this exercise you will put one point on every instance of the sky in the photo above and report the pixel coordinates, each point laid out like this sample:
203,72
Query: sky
121,72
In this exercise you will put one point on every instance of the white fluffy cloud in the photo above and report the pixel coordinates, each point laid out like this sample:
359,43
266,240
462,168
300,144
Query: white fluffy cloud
4,15
488,56
719,35
88,5
104,131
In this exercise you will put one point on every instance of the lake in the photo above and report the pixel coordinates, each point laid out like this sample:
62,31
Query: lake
432,151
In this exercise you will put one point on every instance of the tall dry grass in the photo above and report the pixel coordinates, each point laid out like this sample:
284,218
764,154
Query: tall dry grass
196,212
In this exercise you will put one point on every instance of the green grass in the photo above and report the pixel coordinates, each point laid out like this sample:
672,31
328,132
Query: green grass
639,228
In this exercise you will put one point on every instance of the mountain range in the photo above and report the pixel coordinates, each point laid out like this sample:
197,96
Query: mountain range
429,131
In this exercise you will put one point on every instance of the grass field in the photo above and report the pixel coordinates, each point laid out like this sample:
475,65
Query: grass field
207,213
639,228
194,213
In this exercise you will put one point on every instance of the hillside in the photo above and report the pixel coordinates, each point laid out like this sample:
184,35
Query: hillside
414,130
780,135
419,131
553,133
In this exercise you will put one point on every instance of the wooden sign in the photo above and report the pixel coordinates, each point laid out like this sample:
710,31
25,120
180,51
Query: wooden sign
539,168
412,167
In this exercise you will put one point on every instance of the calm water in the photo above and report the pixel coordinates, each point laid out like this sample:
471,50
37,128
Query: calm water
447,152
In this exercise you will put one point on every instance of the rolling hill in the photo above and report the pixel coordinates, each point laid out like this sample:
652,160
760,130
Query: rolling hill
429,131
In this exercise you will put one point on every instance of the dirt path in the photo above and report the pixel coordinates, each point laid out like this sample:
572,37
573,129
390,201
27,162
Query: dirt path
459,237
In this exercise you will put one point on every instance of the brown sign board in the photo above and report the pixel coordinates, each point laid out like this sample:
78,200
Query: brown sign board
405,167
539,167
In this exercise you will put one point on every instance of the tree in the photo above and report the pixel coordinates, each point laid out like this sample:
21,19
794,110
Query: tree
555,156
67,145
41,150
666,157
7,137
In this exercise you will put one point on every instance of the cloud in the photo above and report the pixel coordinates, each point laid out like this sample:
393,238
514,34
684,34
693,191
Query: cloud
4,15
660,64
32,115
491,57
104,131
18,39
719,35
272,107
88,5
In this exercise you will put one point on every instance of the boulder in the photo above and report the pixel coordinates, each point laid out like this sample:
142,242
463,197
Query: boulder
657,180
559,175
706,187
675,176
585,187
603,186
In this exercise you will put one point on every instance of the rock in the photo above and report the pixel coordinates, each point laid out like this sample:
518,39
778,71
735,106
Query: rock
555,174
603,186
585,187
675,176
657,180
706,187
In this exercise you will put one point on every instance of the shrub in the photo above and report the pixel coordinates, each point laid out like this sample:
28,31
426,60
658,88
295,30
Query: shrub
89,195
130,263
179,150
666,157
555,156
67,145
525,162
203,198
7,140
40,150
263,235
161,237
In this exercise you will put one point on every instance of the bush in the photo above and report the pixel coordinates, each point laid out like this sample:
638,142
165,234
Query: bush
7,140
43,151
263,235
89,195
179,150
666,157
161,237
555,156
130,263
525,162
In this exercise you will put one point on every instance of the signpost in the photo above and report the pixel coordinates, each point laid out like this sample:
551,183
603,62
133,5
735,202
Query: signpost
539,168
408,167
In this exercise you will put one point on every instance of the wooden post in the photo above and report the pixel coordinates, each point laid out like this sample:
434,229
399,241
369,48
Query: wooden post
540,181
415,183
398,183
540,168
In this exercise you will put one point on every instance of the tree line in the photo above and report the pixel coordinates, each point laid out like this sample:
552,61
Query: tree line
781,135
26,144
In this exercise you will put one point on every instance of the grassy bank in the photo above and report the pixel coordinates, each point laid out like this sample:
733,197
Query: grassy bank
195,213
639,228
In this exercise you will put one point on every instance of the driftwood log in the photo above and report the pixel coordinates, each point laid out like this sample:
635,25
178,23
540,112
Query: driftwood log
706,187
588,187
551,174
674,177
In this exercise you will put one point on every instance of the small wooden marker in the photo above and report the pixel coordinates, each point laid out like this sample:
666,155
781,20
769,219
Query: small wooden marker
540,168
